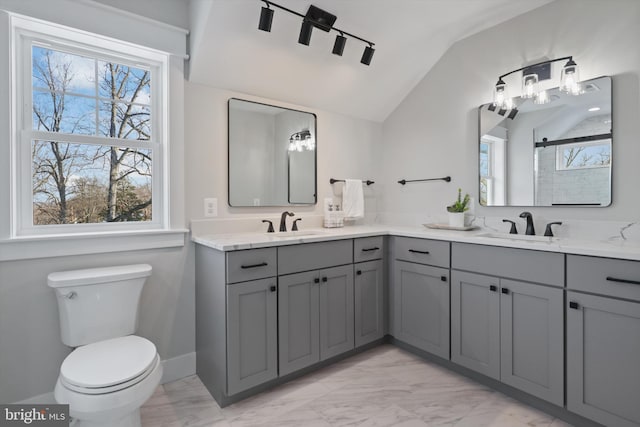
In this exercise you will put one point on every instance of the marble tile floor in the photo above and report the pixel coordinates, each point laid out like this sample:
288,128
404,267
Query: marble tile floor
384,386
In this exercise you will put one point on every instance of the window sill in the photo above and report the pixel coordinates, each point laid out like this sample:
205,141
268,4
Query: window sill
30,247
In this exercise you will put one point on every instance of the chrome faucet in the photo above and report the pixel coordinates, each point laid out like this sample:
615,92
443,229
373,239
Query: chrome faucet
283,220
530,230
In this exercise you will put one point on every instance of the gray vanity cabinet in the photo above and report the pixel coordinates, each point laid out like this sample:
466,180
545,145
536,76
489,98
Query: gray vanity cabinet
315,307
421,307
508,329
236,319
475,322
369,289
369,301
315,316
251,334
603,340
532,339
420,293
299,320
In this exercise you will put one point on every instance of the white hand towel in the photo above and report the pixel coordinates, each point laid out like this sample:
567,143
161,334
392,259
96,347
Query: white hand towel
353,199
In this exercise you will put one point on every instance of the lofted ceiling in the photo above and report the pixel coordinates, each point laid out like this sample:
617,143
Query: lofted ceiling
228,51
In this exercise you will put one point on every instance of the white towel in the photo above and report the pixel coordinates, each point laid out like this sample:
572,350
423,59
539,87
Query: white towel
353,199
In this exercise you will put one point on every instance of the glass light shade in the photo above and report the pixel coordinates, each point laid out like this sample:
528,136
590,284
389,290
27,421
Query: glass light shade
570,79
542,98
499,94
529,85
508,104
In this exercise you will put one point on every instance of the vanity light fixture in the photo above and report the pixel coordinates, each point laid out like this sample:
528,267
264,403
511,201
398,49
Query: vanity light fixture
302,141
318,18
532,75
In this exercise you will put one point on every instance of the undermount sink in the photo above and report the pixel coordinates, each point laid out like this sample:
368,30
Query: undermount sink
299,233
519,237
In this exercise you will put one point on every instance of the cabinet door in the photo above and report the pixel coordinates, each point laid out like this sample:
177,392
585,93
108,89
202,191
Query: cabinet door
421,312
298,321
603,359
336,311
532,339
251,334
369,303
475,322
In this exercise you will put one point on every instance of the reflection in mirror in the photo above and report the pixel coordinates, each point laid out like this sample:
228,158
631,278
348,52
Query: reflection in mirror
553,154
272,155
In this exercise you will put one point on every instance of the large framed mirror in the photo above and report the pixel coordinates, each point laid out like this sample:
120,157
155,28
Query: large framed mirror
552,154
272,155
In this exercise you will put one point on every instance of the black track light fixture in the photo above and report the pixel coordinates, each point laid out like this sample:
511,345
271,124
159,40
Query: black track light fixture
338,46
305,33
320,19
266,18
367,55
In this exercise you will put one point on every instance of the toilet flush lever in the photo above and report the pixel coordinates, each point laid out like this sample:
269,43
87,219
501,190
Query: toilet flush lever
71,295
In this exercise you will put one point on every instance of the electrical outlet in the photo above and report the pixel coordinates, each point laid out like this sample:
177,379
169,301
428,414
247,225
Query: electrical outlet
210,207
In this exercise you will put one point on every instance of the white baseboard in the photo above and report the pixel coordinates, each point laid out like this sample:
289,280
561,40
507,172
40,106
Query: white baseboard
178,367
173,369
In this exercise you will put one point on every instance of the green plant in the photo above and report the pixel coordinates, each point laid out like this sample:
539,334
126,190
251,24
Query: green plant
460,205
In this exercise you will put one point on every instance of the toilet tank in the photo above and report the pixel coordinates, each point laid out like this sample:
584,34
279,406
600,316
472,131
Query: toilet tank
98,303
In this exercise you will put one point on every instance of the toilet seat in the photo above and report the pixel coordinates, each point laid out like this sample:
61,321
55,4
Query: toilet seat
109,366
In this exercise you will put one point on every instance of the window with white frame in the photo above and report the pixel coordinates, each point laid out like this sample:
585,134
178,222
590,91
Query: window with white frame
584,155
90,144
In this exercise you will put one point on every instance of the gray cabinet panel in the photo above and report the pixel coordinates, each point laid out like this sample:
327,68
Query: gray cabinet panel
251,264
336,311
475,322
368,248
369,302
251,334
314,256
422,251
298,321
521,264
603,354
590,274
421,300
532,339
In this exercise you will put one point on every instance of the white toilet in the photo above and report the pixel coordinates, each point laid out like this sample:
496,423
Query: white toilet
111,372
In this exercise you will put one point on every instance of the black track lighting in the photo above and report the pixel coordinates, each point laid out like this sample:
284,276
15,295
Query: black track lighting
338,46
305,33
367,55
320,19
266,18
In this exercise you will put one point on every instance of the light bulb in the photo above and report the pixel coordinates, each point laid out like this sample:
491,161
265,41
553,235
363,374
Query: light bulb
542,98
529,85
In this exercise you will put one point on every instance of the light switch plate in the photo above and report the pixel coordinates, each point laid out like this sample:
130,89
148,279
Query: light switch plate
210,207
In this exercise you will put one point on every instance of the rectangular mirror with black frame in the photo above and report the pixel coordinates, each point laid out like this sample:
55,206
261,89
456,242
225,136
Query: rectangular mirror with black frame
552,154
272,155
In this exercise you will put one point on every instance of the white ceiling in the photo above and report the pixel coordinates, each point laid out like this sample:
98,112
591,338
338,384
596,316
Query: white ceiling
228,51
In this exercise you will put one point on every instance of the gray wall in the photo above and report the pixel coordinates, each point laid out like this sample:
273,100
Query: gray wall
434,131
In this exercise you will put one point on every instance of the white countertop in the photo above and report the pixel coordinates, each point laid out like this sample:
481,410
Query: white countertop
239,241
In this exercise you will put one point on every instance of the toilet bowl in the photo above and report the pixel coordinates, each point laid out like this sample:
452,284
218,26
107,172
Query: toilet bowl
111,372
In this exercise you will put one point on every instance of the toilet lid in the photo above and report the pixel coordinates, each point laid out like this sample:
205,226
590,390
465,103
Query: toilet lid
107,363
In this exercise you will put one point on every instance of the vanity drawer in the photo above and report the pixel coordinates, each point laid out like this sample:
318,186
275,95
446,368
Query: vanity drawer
520,264
251,264
422,251
368,248
606,276
313,256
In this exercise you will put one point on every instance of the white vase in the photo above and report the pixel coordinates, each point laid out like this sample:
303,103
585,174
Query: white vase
456,219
